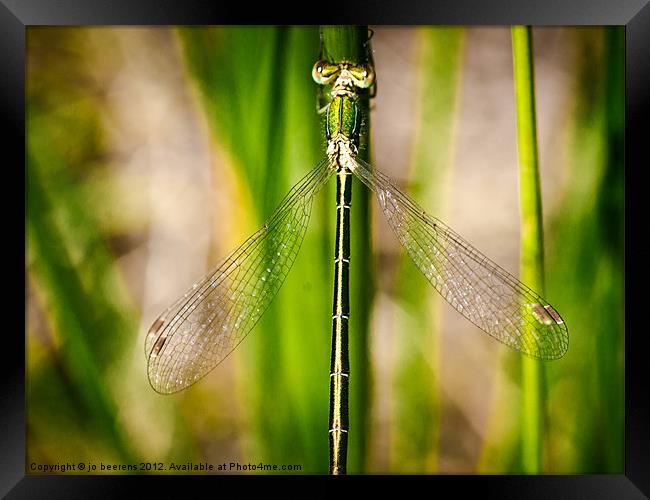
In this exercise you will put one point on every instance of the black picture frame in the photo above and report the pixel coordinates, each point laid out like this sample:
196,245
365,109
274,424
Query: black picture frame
17,15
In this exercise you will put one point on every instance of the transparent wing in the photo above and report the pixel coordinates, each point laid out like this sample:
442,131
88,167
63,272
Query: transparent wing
476,287
198,331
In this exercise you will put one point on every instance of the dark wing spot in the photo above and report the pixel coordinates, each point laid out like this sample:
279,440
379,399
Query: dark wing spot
554,314
155,328
158,346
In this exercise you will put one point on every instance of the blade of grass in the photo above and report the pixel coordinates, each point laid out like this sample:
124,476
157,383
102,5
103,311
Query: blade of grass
258,93
85,374
532,240
611,202
81,295
415,434
301,146
588,434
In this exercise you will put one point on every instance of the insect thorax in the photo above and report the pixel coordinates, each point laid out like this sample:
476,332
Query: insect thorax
343,118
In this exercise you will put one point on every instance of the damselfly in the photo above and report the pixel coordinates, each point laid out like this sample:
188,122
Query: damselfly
208,322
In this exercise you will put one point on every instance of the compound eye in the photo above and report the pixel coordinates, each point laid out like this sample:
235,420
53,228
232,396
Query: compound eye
364,76
324,72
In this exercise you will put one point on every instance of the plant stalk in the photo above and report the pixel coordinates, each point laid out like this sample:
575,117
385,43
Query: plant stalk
532,240
339,44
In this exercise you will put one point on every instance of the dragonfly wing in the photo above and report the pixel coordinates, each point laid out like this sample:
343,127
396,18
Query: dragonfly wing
200,329
476,287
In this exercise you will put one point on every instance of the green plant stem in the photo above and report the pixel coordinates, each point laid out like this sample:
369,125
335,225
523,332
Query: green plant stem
532,242
348,43
344,43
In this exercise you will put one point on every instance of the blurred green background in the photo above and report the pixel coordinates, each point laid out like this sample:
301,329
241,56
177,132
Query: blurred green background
153,152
